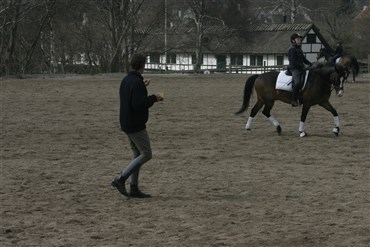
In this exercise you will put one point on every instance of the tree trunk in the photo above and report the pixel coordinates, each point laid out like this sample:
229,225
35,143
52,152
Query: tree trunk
199,9
10,46
198,48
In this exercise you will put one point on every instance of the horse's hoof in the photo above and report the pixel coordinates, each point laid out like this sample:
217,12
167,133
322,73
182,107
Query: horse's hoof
336,131
249,129
278,129
302,134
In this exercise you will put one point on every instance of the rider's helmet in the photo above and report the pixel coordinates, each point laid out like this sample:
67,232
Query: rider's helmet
294,36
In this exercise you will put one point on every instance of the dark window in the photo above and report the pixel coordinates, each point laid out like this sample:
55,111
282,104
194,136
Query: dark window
311,38
259,60
236,60
256,60
279,60
253,60
154,58
171,58
78,58
221,61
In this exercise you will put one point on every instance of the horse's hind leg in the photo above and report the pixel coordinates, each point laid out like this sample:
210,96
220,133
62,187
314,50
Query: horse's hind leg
304,113
254,112
267,112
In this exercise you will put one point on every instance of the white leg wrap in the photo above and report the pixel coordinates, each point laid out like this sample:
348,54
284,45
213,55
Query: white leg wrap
336,121
249,123
301,126
274,121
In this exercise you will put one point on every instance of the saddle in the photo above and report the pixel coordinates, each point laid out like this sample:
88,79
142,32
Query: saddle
303,75
284,81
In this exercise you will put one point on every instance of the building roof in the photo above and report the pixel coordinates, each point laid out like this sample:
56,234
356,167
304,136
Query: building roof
275,38
279,27
254,39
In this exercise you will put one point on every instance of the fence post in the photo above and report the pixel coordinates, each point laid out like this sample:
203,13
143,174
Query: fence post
368,63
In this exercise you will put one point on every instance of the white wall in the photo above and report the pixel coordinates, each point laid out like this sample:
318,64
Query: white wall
270,60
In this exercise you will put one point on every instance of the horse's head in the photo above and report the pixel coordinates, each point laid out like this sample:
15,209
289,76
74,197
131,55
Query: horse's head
332,75
324,53
320,54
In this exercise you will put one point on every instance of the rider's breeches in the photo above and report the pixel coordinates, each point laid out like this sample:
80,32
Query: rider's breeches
296,78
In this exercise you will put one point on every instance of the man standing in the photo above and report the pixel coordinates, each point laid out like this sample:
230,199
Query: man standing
134,113
296,65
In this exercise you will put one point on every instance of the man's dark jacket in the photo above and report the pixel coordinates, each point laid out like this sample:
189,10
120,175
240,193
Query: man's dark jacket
134,103
297,58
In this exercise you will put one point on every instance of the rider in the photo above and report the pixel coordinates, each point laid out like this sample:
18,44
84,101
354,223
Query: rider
338,52
296,64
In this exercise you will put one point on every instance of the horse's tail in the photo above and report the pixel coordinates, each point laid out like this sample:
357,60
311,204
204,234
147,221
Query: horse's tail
248,90
355,66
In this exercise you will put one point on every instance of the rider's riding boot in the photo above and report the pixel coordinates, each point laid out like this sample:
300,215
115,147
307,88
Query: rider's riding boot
295,97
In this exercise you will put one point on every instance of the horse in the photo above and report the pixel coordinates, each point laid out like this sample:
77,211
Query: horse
320,83
349,63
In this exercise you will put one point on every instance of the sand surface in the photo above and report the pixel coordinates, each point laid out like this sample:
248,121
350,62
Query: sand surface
213,183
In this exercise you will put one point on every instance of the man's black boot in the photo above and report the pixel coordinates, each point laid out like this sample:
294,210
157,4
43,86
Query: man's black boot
135,192
119,184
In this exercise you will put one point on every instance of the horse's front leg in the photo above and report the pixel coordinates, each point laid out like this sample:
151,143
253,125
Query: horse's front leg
304,113
346,75
330,108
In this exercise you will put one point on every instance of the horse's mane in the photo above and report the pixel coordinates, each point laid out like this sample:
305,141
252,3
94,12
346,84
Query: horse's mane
327,51
324,70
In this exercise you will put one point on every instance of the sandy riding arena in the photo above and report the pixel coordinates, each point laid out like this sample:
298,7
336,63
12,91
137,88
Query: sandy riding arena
213,183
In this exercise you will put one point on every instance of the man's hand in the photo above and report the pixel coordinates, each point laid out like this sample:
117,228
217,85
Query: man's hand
160,96
146,82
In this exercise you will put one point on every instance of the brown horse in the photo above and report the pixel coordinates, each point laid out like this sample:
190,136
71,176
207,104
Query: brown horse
320,83
348,63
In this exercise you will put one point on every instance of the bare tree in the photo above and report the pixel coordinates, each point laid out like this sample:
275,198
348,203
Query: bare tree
338,17
361,45
121,17
198,9
10,17
18,18
202,17
289,8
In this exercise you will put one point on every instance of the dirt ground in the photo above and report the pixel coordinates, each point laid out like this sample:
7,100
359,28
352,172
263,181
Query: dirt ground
213,183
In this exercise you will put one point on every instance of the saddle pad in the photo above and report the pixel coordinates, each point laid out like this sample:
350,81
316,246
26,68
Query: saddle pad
337,60
284,82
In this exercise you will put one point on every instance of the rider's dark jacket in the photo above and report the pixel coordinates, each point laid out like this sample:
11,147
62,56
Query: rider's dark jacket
297,58
338,52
